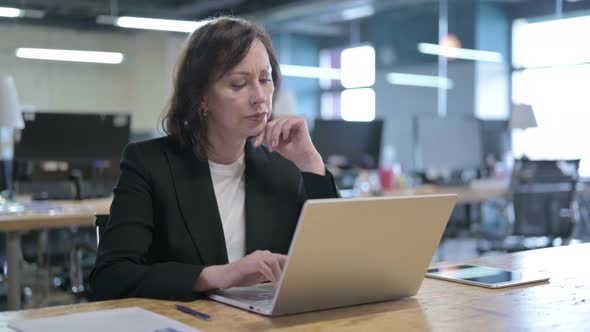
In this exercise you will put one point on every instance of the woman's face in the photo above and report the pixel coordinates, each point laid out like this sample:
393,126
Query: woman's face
239,103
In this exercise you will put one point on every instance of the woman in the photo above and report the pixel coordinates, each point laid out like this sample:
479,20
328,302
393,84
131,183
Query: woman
213,204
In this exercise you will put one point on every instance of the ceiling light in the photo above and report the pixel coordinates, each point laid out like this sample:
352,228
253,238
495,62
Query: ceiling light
15,12
10,12
358,12
310,72
459,53
427,81
69,55
151,23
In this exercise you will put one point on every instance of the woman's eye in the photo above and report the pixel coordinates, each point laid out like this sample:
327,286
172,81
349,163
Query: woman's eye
265,80
238,85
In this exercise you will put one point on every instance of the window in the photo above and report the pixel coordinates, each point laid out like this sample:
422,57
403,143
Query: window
357,67
358,104
553,75
352,98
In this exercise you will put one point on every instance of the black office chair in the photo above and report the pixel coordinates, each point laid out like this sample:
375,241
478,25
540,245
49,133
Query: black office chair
543,207
544,197
100,222
77,253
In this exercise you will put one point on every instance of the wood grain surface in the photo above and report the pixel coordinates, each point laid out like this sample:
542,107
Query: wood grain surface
562,304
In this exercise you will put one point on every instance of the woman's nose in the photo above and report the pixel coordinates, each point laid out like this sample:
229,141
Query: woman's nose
258,96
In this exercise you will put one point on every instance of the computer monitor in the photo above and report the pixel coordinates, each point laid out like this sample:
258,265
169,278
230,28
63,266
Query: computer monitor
69,155
452,143
356,144
495,136
72,137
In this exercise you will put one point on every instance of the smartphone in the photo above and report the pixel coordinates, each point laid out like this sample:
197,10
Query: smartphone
484,276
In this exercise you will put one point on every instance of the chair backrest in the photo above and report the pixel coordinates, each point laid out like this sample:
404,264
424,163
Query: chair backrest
100,222
543,192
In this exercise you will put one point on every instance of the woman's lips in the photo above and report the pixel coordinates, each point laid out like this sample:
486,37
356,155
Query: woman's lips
258,116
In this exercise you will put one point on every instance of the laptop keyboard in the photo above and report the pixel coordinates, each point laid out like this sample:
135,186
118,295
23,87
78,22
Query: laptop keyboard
260,296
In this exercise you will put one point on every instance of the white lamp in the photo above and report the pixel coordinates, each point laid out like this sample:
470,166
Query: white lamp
10,118
523,117
10,115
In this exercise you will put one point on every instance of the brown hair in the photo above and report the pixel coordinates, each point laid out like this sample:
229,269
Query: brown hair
211,51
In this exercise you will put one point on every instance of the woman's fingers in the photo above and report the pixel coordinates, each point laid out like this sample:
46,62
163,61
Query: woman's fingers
258,267
260,138
282,259
266,271
268,133
286,129
271,266
276,270
277,132
273,133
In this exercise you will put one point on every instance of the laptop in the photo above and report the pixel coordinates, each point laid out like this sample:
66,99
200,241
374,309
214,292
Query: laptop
351,251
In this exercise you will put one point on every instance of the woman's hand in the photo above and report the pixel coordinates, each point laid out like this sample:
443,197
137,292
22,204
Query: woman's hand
289,136
257,267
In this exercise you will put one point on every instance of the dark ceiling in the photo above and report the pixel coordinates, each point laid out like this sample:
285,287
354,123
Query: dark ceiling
177,9
306,16
284,14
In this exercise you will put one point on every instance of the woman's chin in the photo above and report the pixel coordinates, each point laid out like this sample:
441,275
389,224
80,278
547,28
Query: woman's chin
256,130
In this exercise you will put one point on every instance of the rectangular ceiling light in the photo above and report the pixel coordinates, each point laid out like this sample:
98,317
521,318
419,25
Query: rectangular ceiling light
10,12
357,12
69,55
151,23
310,72
427,81
15,12
459,53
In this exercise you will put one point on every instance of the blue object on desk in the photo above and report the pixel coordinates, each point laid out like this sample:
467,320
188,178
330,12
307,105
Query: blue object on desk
193,312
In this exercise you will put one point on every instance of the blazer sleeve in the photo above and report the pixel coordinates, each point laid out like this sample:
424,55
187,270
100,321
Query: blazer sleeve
121,268
317,186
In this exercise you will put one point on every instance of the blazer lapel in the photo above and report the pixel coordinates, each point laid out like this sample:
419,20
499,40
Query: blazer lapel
198,205
259,206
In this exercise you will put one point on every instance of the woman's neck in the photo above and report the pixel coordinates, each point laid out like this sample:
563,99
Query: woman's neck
225,150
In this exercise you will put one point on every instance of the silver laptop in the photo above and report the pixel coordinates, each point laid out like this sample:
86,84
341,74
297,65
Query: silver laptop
351,251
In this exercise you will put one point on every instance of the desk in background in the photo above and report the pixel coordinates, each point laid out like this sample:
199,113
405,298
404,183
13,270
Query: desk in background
473,194
465,194
561,304
68,214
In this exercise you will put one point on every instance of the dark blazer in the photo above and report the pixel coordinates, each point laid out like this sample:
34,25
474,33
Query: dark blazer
164,225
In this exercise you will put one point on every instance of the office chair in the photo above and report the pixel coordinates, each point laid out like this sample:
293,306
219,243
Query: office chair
582,232
100,222
77,254
544,197
543,207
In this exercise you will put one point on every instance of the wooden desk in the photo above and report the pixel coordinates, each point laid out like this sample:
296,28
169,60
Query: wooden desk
69,213
465,194
561,304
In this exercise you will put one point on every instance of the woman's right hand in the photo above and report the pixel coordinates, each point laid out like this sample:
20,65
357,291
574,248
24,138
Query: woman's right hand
257,267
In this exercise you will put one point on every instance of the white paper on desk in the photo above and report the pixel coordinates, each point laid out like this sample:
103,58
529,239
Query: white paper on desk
132,319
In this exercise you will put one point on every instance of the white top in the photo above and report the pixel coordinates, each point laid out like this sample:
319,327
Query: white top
229,186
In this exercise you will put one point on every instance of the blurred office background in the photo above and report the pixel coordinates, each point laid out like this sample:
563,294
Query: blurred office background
474,96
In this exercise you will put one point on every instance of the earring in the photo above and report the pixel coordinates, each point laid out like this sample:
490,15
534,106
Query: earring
203,110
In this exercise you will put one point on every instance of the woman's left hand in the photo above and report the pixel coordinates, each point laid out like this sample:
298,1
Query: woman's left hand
289,136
